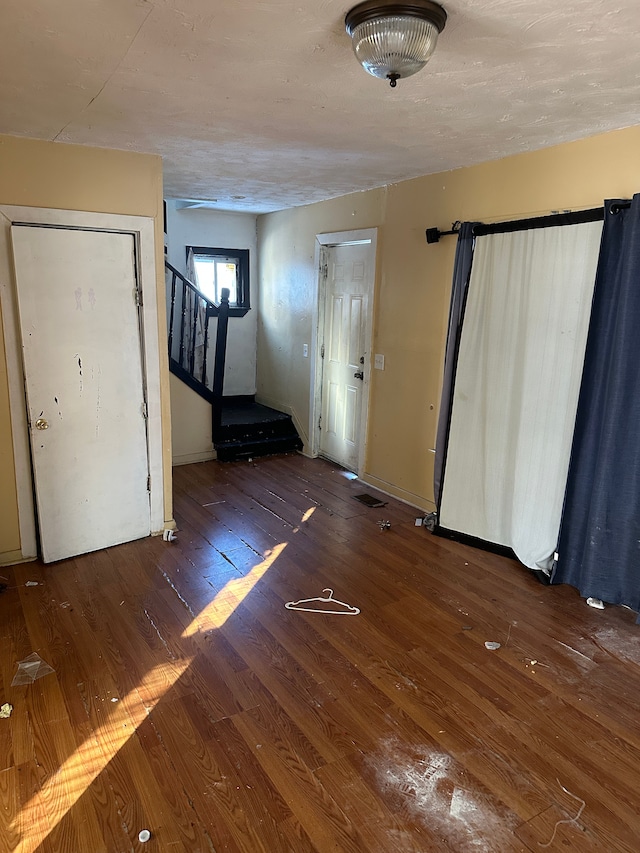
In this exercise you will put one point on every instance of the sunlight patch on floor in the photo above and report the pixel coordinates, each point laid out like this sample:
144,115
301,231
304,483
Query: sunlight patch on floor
235,591
349,475
62,790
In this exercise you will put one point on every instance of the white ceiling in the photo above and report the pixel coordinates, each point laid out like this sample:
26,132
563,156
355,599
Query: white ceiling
262,105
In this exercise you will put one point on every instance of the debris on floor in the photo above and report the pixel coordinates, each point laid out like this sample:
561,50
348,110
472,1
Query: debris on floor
323,605
30,669
369,500
32,583
597,603
5,711
144,835
384,525
169,536
566,820
430,521
491,645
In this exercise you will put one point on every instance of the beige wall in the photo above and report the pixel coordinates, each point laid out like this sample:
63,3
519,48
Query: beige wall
413,284
287,292
69,177
190,425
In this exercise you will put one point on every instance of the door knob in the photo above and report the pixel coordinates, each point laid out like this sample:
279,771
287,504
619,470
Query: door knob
41,423
358,375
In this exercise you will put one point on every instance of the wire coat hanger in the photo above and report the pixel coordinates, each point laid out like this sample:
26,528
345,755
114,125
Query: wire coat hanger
329,600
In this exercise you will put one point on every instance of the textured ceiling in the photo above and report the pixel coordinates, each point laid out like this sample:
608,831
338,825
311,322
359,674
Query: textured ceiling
262,105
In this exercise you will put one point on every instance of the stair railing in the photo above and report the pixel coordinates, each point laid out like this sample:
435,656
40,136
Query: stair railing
188,332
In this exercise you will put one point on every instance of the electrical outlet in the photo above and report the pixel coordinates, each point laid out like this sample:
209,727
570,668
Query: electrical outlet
305,350
378,361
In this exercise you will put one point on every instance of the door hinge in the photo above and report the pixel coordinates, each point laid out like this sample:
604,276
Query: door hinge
320,422
322,351
145,410
149,483
137,296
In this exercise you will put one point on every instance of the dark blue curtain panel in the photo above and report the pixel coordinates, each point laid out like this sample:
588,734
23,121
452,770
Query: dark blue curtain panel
599,547
459,290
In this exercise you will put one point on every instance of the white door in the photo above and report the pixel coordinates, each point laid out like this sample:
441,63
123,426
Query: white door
349,284
84,386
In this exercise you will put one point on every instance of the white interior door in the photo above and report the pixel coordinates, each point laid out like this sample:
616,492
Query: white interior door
349,285
84,385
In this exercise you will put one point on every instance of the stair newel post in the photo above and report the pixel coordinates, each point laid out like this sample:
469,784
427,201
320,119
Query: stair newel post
218,369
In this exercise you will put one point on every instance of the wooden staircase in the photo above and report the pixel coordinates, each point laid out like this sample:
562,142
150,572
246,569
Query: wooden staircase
249,429
241,428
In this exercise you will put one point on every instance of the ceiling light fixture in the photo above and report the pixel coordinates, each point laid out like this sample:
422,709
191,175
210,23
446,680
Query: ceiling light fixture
394,40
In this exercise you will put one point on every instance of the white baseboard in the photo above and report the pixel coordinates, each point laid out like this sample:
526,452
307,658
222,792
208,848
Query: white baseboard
12,558
416,501
189,458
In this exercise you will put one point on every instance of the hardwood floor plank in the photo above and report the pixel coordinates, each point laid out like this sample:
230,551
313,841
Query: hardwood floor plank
188,700
205,783
181,809
381,829
318,813
10,828
555,827
293,835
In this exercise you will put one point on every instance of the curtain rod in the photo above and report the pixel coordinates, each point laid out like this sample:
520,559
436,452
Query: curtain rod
577,217
617,206
434,234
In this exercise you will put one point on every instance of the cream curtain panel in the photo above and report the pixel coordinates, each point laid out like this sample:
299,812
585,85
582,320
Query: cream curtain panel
516,387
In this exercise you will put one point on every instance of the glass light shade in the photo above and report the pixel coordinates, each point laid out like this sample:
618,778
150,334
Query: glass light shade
394,46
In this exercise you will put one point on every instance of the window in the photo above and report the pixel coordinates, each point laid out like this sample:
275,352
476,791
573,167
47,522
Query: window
214,269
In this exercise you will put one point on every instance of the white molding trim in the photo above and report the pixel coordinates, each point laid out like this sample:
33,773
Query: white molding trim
340,238
423,504
13,558
190,458
17,405
142,227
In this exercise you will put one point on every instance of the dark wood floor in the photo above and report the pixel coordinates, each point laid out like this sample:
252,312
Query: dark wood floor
240,725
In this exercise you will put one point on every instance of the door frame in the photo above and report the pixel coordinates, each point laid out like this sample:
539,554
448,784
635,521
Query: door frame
324,242
142,230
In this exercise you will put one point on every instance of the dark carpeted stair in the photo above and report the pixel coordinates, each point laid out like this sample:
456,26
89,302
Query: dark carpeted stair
250,429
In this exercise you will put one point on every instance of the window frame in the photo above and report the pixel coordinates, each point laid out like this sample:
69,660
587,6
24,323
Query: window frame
241,256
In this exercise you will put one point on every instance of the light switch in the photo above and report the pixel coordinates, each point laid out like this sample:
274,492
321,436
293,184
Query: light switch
305,350
378,361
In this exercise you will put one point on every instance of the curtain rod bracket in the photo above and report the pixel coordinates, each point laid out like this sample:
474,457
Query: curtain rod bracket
434,234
